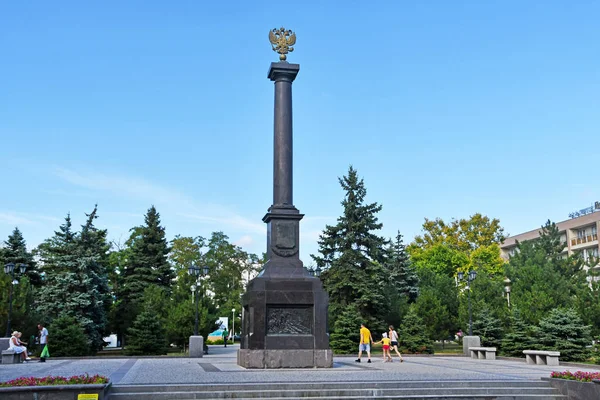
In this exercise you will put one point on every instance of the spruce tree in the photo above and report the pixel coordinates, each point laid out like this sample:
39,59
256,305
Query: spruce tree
519,337
488,327
15,251
75,279
352,256
147,335
346,334
67,330
401,273
92,252
562,330
412,336
146,265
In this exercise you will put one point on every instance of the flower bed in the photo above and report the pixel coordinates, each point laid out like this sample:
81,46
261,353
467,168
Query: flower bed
577,376
55,388
576,385
56,380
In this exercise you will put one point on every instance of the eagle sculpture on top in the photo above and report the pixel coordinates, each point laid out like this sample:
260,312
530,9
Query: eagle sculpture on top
282,41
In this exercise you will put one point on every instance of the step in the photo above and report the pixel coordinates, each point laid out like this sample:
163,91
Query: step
120,388
463,390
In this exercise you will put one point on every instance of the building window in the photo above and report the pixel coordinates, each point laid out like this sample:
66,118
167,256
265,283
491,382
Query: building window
580,233
593,252
594,230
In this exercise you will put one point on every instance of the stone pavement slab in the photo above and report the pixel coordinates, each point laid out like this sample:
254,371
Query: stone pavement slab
220,367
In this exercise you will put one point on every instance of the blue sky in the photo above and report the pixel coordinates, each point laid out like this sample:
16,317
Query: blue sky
444,108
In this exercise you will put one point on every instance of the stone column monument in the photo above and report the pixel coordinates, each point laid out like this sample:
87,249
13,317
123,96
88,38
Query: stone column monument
284,316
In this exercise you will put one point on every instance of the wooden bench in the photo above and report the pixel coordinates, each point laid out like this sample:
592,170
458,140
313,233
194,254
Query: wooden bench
10,357
541,357
483,353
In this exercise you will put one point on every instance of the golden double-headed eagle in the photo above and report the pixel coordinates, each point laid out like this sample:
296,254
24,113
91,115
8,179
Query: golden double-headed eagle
282,41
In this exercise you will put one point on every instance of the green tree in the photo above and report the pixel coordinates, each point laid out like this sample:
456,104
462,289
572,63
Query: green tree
402,275
147,335
92,253
519,337
15,251
227,264
146,265
352,256
413,338
346,336
68,288
441,259
488,328
464,235
563,330
438,304
543,277
68,338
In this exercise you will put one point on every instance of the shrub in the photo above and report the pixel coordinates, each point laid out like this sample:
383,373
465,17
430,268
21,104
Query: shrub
488,327
56,380
577,376
413,338
218,341
519,337
68,338
146,336
562,330
346,332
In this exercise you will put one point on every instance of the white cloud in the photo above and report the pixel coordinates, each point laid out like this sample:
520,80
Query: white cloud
20,218
244,241
13,219
181,204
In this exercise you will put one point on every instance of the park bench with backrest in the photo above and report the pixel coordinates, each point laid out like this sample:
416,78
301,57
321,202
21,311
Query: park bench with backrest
483,353
541,357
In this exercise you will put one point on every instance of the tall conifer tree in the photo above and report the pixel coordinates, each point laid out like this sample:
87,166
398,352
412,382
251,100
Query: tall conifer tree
146,265
352,256
15,251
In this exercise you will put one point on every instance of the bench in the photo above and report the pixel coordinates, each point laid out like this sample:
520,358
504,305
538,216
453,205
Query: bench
483,353
541,357
10,357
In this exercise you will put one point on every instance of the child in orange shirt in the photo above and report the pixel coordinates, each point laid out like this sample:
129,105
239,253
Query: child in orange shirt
386,347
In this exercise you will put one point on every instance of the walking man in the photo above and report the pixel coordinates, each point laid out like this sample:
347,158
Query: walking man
225,334
365,343
43,341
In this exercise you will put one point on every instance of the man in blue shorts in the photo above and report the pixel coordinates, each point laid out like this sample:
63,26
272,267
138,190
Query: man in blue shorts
365,343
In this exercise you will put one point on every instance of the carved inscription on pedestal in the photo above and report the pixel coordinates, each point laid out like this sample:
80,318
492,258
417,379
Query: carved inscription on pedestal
285,238
289,320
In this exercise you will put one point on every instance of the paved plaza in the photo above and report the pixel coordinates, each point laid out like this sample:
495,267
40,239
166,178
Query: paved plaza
220,367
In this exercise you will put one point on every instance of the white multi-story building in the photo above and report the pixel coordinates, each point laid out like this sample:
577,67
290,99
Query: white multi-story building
579,234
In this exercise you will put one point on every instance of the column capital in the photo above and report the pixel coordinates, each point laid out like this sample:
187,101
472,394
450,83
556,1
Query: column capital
283,71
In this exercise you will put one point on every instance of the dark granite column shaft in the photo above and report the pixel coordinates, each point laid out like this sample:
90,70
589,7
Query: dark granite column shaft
283,74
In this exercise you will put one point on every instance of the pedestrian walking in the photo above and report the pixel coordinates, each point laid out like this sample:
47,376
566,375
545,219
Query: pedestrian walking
225,335
365,343
43,342
394,342
386,347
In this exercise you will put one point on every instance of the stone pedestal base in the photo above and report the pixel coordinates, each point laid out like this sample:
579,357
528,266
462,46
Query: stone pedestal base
285,358
470,341
196,346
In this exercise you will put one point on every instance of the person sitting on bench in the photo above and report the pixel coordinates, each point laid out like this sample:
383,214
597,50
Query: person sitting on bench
17,346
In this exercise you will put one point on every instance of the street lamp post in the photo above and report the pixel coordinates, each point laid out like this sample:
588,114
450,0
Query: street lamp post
195,272
507,289
471,275
233,325
9,269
